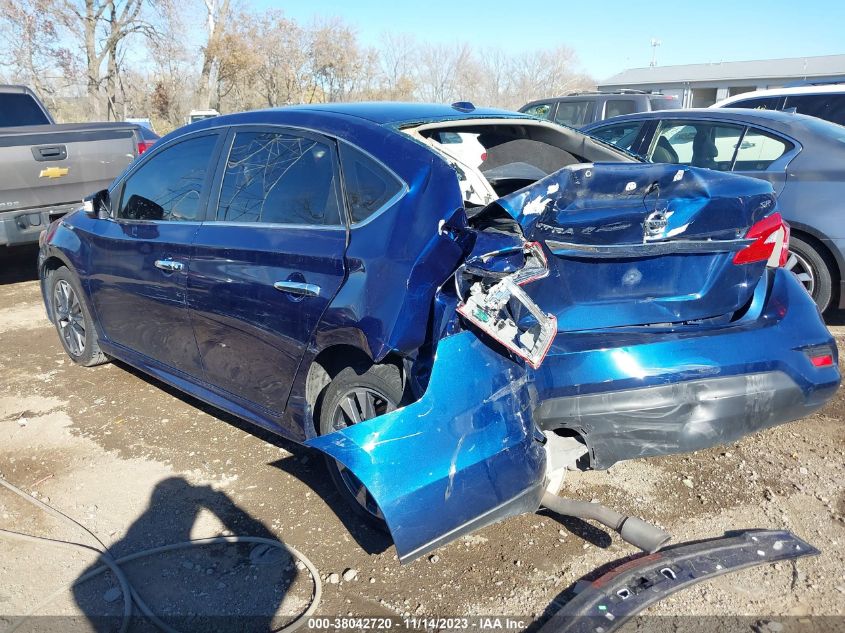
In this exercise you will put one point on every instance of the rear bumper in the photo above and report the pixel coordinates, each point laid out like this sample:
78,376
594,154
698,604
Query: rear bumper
638,394
24,226
679,418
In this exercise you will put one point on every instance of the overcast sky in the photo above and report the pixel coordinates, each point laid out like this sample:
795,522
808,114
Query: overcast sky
608,35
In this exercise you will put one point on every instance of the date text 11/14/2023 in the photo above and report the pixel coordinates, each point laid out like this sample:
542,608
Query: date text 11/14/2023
417,623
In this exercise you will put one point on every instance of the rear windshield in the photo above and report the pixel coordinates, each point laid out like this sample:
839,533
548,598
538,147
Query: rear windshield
664,103
18,109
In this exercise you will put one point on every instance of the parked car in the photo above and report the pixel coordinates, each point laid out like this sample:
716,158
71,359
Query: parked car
824,102
450,337
200,115
147,138
48,168
802,157
582,108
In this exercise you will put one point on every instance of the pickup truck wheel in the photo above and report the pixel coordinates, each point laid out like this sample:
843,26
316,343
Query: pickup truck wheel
73,320
355,395
812,271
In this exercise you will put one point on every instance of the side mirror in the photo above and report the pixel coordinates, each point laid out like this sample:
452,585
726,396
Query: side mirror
98,205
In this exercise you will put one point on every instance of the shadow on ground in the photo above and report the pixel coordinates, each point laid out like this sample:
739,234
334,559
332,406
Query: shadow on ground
222,586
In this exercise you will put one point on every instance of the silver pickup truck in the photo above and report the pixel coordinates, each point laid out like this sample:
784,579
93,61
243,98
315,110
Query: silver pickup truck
46,169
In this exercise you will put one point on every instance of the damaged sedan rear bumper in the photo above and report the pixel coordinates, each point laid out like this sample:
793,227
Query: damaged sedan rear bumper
642,392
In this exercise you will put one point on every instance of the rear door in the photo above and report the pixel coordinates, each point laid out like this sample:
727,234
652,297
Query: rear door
268,262
140,259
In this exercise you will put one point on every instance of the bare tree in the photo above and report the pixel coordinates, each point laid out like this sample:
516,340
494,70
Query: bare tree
336,60
217,17
398,62
31,46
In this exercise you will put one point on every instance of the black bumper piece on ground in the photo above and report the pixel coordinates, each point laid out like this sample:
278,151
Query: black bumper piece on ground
624,591
677,418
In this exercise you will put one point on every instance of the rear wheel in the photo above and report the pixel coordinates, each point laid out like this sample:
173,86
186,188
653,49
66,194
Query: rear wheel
353,396
72,319
812,271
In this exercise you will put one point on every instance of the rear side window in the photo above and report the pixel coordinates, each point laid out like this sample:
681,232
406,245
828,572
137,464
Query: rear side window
18,109
617,107
696,143
758,150
168,185
575,113
539,109
830,107
369,186
279,178
758,103
620,134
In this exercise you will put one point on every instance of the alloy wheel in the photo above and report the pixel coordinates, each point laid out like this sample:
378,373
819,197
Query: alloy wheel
69,317
357,405
802,268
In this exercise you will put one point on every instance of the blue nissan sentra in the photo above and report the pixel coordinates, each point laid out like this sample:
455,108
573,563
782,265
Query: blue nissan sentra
452,331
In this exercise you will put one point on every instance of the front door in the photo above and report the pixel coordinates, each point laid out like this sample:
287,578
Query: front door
265,270
141,257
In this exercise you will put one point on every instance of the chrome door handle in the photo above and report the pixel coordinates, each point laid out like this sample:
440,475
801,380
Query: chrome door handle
298,288
169,265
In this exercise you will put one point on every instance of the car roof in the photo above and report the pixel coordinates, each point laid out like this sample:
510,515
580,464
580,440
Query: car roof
783,92
772,118
398,113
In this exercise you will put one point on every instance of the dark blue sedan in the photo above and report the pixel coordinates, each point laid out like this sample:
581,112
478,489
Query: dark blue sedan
802,156
451,336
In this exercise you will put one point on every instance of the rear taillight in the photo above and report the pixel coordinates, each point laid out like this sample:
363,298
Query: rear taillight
143,146
820,356
483,156
771,242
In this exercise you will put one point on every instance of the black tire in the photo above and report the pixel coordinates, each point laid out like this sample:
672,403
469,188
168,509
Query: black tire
812,270
344,394
72,318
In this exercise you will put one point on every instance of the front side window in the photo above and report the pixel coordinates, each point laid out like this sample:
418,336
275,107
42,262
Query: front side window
539,109
169,184
368,185
575,113
279,178
758,150
830,107
696,143
620,134
618,107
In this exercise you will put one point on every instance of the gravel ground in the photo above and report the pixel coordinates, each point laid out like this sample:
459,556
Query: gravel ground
141,466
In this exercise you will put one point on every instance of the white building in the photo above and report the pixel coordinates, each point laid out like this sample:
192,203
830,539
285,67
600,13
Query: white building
700,85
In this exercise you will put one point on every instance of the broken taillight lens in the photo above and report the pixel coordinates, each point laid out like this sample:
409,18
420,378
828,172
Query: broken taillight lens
771,242
488,305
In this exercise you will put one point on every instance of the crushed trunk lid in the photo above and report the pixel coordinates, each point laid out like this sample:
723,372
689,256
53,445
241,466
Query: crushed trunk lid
642,244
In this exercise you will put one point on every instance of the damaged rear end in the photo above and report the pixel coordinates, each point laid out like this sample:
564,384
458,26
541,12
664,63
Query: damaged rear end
605,312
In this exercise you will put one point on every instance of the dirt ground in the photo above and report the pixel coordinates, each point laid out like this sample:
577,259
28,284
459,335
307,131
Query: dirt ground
141,466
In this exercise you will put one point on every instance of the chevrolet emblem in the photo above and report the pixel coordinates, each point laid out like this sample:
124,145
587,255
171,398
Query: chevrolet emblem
54,172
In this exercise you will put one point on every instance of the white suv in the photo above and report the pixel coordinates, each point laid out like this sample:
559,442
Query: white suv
824,102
